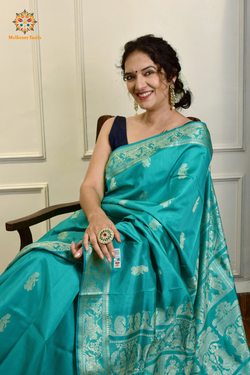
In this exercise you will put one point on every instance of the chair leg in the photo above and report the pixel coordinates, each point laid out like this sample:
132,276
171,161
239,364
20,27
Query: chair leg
25,237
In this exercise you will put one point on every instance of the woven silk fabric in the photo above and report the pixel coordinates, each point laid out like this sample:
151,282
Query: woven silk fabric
169,307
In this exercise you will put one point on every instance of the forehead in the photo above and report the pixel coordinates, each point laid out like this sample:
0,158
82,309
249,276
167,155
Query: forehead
137,61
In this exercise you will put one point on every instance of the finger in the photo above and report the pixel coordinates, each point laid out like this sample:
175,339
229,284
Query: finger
111,249
78,245
86,241
79,254
116,234
73,248
95,246
77,250
106,252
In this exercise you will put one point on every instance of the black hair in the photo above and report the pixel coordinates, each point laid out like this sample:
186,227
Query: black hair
162,54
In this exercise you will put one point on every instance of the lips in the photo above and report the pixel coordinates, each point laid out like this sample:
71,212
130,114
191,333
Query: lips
144,95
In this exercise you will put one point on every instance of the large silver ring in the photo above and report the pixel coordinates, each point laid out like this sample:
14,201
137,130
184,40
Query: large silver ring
105,236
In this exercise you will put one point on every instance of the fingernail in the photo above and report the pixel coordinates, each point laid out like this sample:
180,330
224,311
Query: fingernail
77,255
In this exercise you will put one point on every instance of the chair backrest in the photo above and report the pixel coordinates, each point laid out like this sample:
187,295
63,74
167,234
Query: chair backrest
100,122
104,118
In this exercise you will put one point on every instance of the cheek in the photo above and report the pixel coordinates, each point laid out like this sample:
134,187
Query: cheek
164,89
129,87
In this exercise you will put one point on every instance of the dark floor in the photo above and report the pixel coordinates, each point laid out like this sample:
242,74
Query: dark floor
244,301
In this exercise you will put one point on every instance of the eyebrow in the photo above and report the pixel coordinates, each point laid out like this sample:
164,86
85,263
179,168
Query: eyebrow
150,66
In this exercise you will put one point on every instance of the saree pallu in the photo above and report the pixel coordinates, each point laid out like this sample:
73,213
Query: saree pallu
167,302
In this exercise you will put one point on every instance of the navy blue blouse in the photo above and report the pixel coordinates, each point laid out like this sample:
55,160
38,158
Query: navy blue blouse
118,133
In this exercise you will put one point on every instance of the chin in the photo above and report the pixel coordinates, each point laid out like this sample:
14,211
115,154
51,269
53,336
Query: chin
146,105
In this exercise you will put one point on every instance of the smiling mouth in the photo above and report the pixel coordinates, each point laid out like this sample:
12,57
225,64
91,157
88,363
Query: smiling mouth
145,95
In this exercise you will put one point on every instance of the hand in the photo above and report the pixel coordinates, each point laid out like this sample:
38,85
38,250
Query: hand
96,224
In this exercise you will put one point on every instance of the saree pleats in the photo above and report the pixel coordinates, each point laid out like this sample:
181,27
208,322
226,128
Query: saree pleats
166,305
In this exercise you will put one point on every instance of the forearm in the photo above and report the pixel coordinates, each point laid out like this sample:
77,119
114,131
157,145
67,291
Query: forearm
90,202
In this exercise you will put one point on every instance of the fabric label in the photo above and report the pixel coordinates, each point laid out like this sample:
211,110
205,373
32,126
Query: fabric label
117,259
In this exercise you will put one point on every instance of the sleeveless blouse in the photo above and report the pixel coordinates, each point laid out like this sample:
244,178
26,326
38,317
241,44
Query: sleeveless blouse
118,133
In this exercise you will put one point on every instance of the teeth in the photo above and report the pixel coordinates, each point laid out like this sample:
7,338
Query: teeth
145,94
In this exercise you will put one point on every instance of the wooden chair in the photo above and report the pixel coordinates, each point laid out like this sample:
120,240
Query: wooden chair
23,224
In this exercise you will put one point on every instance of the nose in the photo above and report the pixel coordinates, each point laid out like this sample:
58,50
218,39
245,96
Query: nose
140,82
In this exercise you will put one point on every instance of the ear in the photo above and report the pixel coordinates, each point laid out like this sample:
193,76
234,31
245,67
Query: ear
174,79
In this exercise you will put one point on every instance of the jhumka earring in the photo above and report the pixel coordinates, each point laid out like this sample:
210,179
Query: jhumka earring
172,96
136,107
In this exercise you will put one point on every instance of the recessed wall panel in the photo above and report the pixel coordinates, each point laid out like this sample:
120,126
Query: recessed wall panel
21,115
209,42
229,194
16,202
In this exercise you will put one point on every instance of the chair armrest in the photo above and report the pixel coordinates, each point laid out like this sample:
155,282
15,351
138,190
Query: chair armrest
23,224
39,216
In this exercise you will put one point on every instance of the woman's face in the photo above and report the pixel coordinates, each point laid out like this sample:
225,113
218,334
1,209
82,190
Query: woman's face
147,86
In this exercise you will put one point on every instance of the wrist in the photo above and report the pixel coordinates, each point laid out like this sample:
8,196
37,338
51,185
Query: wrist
96,213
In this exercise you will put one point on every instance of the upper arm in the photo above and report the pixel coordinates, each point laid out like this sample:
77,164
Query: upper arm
96,170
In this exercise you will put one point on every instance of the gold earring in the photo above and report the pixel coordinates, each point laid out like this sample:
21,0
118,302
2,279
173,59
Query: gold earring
172,95
136,107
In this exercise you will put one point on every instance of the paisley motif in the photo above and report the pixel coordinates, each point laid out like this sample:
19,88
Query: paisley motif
139,270
123,202
146,162
62,235
4,322
31,282
182,172
154,224
167,203
182,240
196,204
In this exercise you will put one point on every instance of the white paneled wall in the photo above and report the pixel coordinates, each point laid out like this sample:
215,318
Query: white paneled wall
53,90
20,198
229,194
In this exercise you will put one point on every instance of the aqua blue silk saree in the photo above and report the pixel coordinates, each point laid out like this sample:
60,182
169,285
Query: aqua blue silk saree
167,306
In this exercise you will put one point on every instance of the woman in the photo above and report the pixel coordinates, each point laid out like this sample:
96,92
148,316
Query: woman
166,303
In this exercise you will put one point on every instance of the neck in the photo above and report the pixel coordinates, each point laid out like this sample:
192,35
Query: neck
159,120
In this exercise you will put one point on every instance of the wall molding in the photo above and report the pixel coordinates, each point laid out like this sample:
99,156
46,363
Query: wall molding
239,181
80,72
43,188
38,91
239,147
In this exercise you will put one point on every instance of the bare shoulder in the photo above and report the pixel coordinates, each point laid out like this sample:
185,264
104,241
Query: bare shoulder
101,152
106,127
183,119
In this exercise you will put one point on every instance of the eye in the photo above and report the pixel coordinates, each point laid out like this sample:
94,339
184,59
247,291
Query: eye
128,78
149,72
